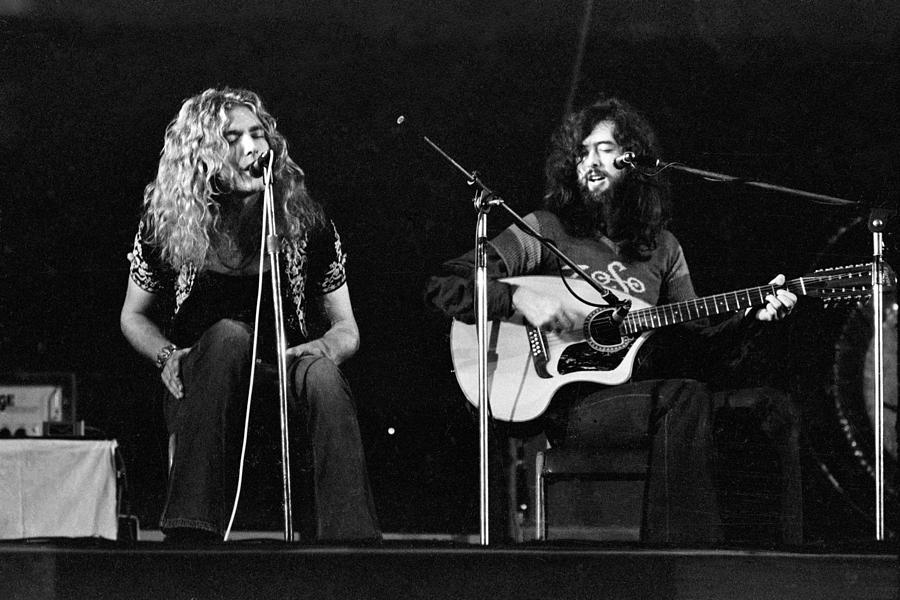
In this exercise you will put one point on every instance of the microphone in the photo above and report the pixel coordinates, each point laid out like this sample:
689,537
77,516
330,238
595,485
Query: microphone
405,125
630,160
258,166
621,311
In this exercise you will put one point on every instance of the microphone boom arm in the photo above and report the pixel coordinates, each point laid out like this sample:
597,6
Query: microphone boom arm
757,184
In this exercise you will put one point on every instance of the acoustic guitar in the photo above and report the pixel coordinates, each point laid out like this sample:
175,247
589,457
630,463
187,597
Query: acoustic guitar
526,366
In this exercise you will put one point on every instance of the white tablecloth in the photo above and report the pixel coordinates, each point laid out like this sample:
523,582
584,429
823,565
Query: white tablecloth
57,488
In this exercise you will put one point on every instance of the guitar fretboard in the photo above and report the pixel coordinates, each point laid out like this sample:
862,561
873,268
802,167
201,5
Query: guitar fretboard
655,317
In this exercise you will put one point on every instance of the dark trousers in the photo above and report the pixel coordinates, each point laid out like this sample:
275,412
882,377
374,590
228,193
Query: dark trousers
208,424
676,420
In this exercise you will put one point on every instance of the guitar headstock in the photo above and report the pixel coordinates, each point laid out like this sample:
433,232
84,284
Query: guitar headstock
844,285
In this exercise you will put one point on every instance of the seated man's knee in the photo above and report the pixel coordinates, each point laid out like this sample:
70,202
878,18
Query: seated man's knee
323,373
679,392
775,411
230,331
320,380
227,337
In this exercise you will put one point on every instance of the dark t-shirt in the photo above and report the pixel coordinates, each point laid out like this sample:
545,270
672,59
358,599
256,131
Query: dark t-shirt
662,278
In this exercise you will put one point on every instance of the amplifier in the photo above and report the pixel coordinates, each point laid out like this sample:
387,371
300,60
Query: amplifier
34,404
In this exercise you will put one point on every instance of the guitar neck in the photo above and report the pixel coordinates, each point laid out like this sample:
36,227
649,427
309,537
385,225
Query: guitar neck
655,317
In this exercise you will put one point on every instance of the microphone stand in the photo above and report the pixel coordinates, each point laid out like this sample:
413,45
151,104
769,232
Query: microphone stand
484,199
877,223
281,346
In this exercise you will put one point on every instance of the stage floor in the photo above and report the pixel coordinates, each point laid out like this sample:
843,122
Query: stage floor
408,568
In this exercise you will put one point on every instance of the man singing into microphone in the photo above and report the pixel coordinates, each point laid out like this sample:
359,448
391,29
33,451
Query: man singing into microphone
191,309
611,220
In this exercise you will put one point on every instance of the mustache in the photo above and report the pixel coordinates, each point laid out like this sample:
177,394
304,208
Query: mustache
595,171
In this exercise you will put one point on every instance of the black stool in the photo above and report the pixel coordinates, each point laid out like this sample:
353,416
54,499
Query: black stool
558,464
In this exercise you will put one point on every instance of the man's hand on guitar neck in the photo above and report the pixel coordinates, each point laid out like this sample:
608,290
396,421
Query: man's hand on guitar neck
545,312
778,305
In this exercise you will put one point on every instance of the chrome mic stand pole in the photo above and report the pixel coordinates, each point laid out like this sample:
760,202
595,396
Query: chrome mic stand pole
483,206
876,225
484,199
281,346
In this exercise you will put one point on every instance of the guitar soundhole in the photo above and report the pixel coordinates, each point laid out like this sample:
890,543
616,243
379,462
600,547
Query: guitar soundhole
581,357
602,333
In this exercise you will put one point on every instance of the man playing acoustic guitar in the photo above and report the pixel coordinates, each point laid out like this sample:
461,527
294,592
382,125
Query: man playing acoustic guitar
611,220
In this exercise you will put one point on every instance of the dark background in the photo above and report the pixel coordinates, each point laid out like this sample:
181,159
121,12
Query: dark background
798,94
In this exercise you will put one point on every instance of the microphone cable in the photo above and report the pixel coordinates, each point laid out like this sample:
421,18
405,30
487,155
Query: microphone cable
237,493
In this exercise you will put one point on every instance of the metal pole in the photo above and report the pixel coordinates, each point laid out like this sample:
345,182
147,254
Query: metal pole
878,341
483,394
281,349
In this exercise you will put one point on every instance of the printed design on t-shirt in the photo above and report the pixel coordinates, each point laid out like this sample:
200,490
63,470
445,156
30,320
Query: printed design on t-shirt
613,277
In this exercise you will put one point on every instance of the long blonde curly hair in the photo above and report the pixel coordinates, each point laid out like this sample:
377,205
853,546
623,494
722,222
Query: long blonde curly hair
181,214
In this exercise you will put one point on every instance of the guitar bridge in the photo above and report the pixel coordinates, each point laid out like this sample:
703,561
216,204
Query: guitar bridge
537,343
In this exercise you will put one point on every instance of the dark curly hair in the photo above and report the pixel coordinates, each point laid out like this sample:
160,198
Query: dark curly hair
642,202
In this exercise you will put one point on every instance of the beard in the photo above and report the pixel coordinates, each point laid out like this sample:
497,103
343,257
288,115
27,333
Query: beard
602,208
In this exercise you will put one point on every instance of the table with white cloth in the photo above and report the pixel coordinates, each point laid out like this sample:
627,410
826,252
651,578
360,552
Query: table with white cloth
57,488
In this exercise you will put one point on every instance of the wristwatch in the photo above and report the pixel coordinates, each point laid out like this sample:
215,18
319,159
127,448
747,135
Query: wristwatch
163,355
